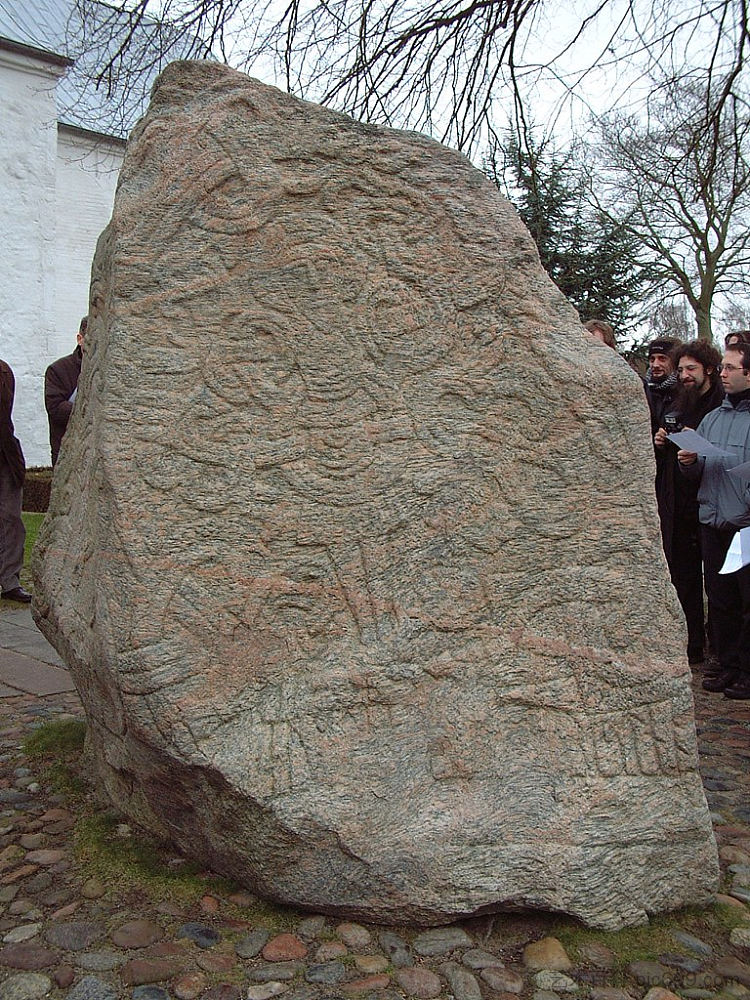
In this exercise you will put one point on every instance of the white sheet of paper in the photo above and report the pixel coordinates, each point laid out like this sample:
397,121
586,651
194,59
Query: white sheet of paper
692,441
739,552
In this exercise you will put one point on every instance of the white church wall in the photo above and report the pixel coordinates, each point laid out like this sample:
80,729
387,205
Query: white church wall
56,193
86,178
27,231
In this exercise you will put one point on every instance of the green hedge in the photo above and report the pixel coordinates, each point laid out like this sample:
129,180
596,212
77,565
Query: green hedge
36,489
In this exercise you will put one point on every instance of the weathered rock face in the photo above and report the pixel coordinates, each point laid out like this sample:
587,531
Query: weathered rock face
352,549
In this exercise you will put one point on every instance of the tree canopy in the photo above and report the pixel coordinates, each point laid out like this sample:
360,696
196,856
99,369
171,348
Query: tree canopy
677,179
437,65
592,258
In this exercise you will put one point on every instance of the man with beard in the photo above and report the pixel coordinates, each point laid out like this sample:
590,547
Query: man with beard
699,392
724,498
661,379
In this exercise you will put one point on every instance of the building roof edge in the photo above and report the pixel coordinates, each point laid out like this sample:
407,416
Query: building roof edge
44,55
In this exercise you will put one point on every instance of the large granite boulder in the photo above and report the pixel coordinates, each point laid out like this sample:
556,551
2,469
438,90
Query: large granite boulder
352,549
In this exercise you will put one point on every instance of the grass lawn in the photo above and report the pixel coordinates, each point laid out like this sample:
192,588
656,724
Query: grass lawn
33,523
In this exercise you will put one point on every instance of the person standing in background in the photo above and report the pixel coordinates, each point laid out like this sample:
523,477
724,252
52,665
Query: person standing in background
700,391
60,388
12,473
724,501
661,382
602,331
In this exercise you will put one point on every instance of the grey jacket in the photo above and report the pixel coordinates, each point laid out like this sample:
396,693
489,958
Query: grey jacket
724,499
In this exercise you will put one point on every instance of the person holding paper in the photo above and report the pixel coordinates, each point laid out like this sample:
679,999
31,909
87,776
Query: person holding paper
724,506
700,392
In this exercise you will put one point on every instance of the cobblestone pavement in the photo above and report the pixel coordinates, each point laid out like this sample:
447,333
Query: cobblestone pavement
65,932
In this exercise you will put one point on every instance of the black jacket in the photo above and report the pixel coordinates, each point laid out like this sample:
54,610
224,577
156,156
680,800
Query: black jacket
11,456
676,496
60,380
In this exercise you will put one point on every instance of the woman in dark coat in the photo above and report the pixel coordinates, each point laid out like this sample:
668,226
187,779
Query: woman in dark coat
12,472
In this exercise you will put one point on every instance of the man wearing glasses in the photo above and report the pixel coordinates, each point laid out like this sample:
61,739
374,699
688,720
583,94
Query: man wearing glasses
724,499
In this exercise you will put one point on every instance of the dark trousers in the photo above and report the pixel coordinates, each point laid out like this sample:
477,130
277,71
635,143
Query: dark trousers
12,531
686,570
728,602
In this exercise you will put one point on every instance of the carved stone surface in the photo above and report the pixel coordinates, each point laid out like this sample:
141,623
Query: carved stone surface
352,549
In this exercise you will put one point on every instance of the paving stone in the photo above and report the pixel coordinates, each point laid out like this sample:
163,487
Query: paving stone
547,953
419,982
558,982
651,973
224,991
659,993
23,933
736,990
18,874
704,980
53,897
31,841
25,986
283,971
354,935
91,988
683,962
28,957
371,965
44,858
330,950
217,962
99,961
475,958
740,937
64,976
137,934
140,971
203,936
266,991
92,888
327,974
284,948
311,927
597,954
610,993
75,935
463,984
189,986
370,984
167,949
396,949
441,941
252,944
693,943
503,980
303,991
729,967
150,993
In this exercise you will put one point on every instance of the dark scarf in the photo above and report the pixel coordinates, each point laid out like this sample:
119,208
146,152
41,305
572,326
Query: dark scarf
663,387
